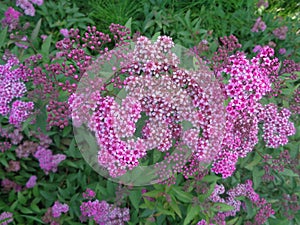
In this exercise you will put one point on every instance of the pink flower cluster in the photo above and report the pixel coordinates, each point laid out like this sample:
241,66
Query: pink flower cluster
103,213
246,190
31,182
249,82
277,126
11,19
281,32
12,86
59,208
27,6
259,25
6,218
48,162
166,97
53,213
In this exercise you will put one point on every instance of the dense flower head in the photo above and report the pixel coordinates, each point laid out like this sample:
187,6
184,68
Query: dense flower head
11,18
259,25
31,182
281,32
8,185
249,81
277,126
13,166
59,208
246,190
88,194
104,213
27,6
6,217
47,161
156,87
12,87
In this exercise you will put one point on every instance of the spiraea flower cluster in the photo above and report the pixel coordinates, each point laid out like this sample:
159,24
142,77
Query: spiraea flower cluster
53,213
47,161
166,97
277,126
6,218
12,87
249,81
27,6
264,208
101,211
259,25
11,19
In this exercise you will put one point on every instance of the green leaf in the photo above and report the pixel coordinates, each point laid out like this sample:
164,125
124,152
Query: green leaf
3,36
222,207
181,195
128,23
289,173
155,36
175,207
210,178
36,31
46,47
135,198
33,218
192,212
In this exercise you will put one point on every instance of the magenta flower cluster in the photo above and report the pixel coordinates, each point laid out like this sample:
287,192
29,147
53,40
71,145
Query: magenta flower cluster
277,126
6,218
249,81
27,6
12,87
59,208
11,19
281,32
47,161
246,190
103,213
259,25
149,86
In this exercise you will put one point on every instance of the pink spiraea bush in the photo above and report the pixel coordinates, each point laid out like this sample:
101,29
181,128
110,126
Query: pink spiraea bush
38,157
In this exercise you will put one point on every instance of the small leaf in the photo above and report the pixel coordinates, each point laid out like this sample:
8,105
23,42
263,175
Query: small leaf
289,173
135,198
192,212
3,36
222,207
36,31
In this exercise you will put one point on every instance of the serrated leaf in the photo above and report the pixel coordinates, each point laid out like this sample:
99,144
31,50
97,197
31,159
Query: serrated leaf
135,198
192,212
181,195
36,31
175,207
46,47
222,207
289,173
3,36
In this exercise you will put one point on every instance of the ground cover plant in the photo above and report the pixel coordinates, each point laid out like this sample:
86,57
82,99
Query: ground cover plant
159,112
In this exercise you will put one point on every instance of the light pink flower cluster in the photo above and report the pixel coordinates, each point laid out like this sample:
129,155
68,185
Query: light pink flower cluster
11,19
11,87
48,162
277,126
6,218
53,213
88,194
104,213
231,199
281,32
27,6
249,82
259,25
157,87
31,182
59,208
